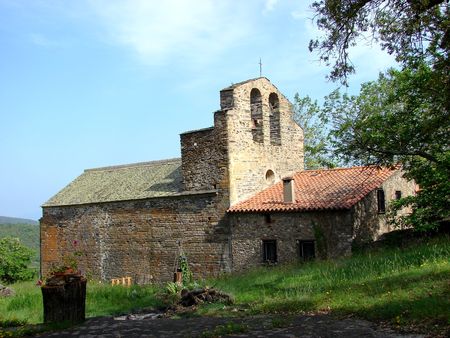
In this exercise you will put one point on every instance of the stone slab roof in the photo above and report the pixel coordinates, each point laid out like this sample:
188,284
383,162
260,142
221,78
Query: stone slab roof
331,189
123,182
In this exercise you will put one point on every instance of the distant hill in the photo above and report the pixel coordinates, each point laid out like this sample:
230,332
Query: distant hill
14,220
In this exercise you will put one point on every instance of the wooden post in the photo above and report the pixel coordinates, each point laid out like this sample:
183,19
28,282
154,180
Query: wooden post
65,301
178,277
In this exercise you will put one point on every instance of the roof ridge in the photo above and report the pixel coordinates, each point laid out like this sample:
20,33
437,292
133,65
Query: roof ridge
342,168
237,84
133,165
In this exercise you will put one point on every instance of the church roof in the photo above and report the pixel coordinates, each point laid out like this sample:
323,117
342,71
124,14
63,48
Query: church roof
326,189
234,85
123,182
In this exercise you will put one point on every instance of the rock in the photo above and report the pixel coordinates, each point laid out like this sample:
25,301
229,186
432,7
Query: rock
6,292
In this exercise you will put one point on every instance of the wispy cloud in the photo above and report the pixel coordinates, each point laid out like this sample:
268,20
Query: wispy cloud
43,41
159,31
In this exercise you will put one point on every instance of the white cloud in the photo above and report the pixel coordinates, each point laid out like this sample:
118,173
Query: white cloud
269,5
182,29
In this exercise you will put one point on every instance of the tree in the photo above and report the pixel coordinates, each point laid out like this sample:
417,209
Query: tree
14,260
412,30
404,116
395,120
318,150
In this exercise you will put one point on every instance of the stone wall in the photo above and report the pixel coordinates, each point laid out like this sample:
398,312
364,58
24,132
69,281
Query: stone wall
139,238
199,160
333,230
369,224
250,159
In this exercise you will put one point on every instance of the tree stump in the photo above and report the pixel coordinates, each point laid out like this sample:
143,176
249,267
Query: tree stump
64,299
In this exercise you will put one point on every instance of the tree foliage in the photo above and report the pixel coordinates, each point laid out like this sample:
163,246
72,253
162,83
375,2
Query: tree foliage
14,260
318,151
404,116
396,120
412,30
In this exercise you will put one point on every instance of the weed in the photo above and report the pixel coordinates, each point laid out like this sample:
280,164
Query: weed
228,328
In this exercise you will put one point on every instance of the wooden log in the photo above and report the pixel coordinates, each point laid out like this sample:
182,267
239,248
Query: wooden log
64,301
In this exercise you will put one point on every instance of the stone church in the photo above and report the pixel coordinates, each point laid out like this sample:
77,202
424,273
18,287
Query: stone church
238,197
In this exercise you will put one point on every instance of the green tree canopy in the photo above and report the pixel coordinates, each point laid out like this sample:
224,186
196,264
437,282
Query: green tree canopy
404,115
14,260
412,30
318,151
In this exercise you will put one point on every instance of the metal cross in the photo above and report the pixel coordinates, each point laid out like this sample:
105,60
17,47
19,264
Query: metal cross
260,68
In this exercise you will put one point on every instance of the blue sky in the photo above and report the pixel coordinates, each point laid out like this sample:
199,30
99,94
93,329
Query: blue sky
88,83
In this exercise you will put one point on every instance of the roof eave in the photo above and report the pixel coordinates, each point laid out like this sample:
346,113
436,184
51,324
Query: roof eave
182,194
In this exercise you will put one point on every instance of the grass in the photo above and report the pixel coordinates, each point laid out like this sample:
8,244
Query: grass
403,286
101,300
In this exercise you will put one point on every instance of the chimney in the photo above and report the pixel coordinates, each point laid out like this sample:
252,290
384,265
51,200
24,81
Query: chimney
288,190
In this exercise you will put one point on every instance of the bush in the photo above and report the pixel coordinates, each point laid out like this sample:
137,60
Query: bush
14,260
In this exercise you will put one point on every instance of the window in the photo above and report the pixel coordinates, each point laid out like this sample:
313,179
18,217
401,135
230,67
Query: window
381,202
398,194
274,105
270,176
306,250
256,115
270,251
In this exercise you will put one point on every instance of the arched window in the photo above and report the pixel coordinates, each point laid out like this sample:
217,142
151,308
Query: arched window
256,115
270,176
275,132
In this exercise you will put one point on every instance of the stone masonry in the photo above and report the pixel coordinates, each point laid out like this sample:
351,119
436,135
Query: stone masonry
132,220
122,235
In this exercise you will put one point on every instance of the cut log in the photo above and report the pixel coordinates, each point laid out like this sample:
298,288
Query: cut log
64,299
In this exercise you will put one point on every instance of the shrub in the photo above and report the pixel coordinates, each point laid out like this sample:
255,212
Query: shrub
14,260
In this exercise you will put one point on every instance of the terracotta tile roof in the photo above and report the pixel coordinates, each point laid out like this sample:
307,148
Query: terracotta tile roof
330,189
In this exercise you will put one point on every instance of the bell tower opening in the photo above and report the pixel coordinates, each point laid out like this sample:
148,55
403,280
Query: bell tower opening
256,115
275,132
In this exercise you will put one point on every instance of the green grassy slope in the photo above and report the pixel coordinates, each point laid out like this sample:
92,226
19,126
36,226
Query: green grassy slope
407,287
404,286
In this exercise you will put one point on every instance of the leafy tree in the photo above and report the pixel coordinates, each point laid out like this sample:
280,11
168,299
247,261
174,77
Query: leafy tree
396,120
412,30
318,150
14,260
404,116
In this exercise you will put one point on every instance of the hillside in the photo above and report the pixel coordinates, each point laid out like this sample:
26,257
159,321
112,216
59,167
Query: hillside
27,233
406,286
14,220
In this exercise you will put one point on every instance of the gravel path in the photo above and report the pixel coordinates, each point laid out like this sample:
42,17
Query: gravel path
257,326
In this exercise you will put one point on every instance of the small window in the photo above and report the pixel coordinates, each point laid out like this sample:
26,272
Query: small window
268,218
270,251
306,250
381,201
398,194
270,176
